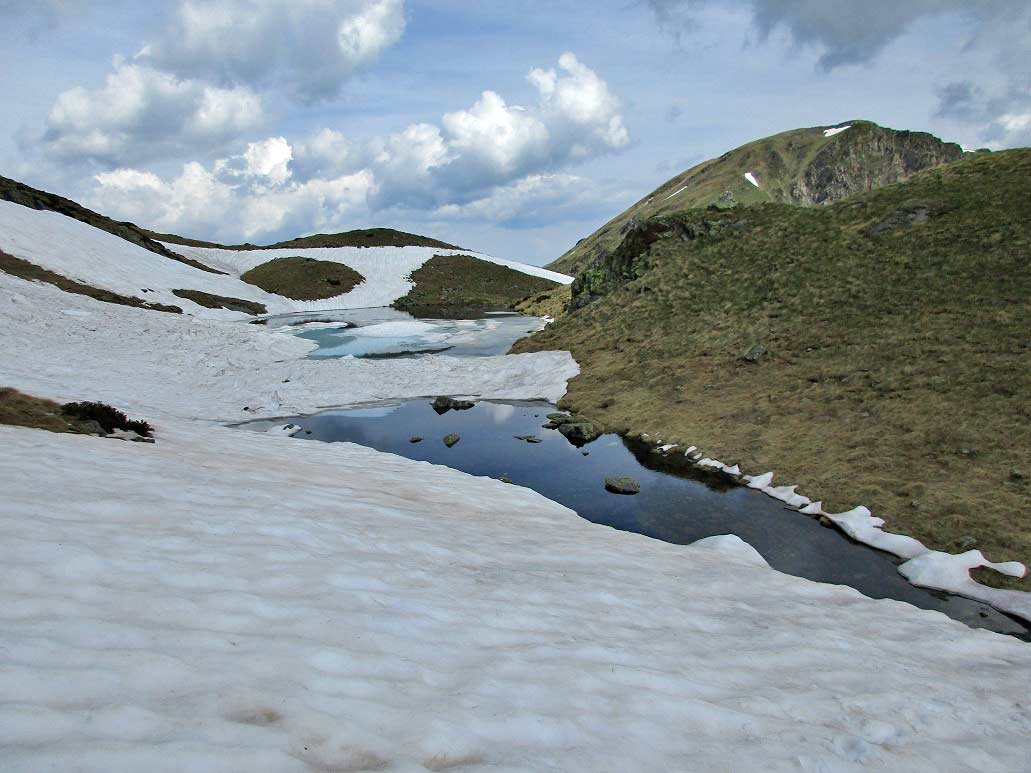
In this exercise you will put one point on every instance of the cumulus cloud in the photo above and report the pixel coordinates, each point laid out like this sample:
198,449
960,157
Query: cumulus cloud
241,204
140,114
308,47
493,161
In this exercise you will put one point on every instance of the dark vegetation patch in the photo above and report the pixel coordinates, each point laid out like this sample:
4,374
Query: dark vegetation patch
304,279
446,283
23,269
106,416
21,410
212,301
893,327
365,237
19,193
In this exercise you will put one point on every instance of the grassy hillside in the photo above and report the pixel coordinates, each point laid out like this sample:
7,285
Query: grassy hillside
303,279
27,196
364,237
446,285
892,339
803,166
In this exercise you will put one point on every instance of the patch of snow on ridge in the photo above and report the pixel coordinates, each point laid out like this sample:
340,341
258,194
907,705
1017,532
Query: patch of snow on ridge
357,610
92,256
673,194
837,130
751,178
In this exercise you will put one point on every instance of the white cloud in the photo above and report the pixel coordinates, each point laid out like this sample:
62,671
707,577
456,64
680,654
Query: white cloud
308,47
491,162
141,114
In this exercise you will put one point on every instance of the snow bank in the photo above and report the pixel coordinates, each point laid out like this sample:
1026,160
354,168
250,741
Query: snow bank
167,364
89,255
227,600
924,567
837,130
751,178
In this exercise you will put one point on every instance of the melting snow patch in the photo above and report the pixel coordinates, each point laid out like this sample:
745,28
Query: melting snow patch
934,569
751,178
674,193
838,130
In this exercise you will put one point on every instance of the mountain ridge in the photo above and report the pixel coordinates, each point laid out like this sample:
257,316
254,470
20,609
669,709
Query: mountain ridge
808,166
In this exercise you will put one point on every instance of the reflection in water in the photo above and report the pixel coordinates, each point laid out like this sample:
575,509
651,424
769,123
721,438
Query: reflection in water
677,504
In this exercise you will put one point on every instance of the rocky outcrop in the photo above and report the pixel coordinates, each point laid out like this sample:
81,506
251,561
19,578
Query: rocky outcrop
865,157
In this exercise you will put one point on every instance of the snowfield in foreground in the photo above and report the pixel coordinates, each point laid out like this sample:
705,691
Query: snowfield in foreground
224,600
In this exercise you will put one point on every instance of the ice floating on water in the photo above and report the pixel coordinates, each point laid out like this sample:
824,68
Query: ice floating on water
751,178
838,130
285,430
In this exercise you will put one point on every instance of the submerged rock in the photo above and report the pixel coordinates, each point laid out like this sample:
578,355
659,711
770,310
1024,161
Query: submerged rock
451,439
622,485
528,438
444,404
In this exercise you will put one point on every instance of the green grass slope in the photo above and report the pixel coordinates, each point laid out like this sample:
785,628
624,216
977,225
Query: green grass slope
303,279
451,285
802,166
897,326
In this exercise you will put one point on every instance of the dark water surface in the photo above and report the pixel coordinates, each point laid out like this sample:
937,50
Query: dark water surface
675,504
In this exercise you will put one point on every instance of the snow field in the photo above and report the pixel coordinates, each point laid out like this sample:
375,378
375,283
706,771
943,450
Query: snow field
97,258
171,365
227,600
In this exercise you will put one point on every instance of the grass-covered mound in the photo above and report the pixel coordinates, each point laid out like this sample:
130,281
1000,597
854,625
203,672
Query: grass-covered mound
23,269
897,333
27,196
363,237
21,410
212,301
448,284
304,279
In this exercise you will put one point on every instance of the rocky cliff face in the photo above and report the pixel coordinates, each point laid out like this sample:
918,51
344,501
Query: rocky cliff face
867,157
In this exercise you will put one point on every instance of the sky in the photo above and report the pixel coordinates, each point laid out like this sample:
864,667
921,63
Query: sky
512,128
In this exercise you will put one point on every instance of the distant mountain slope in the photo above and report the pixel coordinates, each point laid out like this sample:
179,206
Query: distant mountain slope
47,238
804,166
27,196
362,237
875,351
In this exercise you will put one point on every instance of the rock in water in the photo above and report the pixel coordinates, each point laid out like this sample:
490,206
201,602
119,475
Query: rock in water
450,440
444,404
580,432
415,439
622,485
